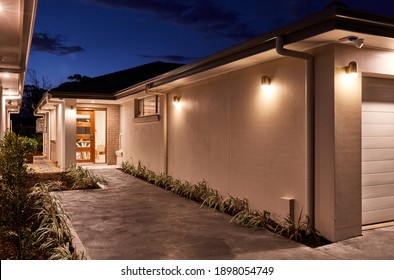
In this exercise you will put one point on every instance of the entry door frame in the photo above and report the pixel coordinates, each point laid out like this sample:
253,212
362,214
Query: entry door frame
85,142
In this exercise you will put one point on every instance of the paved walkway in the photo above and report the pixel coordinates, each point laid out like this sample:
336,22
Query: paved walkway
132,219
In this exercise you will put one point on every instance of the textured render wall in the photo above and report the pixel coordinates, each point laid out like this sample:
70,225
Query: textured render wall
113,127
348,95
59,133
240,140
324,141
198,133
69,147
52,141
338,136
142,141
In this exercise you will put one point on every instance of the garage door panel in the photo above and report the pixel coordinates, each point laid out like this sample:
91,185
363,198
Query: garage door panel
378,130
372,167
378,179
378,143
371,204
378,191
377,150
372,217
377,154
374,117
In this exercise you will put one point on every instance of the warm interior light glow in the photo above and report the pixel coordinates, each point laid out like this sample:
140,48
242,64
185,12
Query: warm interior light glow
6,75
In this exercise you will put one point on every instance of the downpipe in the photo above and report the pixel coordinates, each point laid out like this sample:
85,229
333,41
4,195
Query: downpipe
310,122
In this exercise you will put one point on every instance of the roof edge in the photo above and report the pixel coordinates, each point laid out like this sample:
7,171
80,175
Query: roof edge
330,18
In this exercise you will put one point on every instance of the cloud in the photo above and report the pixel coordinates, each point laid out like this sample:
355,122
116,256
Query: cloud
43,42
173,58
205,16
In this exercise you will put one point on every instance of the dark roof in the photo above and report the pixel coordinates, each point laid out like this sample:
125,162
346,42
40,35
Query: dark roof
107,85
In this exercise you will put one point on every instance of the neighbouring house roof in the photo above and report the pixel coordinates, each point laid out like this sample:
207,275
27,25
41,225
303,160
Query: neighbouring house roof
103,87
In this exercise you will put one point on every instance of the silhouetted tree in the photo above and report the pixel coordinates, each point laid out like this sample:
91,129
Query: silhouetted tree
32,94
78,78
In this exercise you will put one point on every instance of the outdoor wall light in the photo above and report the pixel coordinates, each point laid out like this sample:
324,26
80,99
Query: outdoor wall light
176,100
352,68
265,82
266,86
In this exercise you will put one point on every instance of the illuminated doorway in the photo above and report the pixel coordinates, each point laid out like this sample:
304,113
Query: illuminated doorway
91,135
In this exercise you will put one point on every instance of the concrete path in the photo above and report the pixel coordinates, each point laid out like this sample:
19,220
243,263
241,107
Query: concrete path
132,219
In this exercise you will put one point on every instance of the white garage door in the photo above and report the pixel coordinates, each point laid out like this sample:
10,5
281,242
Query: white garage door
377,150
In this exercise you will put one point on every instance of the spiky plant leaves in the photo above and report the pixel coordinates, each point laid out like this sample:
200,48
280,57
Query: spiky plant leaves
84,178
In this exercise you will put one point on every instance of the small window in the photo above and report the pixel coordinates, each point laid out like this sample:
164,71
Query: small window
148,106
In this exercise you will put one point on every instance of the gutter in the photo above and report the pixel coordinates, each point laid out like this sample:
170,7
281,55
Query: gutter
310,122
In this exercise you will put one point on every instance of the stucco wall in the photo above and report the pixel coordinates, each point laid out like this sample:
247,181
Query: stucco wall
240,140
338,136
142,141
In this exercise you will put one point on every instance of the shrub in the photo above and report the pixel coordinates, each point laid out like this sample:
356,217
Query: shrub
243,215
53,234
84,178
14,201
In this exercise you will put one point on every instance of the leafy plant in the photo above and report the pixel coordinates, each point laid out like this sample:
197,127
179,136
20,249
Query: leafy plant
31,144
250,218
234,205
242,214
214,200
53,234
14,201
84,178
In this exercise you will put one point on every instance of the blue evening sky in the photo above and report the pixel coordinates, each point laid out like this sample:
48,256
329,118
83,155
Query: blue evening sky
96,37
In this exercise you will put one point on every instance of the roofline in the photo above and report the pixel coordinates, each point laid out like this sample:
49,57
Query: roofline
82,95
331,18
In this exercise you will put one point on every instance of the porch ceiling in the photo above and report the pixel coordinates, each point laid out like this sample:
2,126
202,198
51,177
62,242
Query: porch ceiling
16,29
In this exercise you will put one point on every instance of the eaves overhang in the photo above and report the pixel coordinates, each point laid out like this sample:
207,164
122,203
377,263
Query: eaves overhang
82,95
330,19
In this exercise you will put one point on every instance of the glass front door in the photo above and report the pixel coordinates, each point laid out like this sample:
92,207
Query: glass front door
85,136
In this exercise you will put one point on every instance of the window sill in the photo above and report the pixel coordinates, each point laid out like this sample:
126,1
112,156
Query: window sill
146,119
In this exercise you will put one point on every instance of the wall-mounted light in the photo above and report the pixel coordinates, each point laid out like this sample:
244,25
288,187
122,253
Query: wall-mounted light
352,69
176,100
72,107
265,82
266,86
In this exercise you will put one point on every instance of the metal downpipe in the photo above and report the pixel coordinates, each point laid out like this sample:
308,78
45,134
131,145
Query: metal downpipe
310,122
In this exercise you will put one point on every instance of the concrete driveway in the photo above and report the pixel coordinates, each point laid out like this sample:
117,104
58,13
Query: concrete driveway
132,219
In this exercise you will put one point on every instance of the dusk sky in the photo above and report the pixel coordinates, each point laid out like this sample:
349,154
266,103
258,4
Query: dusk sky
96,37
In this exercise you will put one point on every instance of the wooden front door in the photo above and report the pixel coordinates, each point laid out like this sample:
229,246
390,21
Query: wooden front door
85,136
